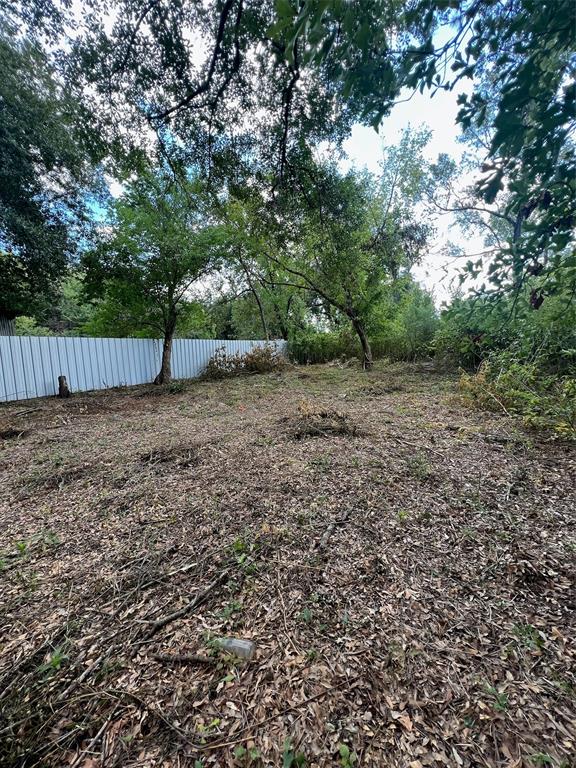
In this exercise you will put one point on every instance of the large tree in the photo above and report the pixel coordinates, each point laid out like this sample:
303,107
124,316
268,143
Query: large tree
245,82
160,242
344,238
44,166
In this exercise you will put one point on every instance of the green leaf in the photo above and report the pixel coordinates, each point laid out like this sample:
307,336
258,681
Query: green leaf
284,9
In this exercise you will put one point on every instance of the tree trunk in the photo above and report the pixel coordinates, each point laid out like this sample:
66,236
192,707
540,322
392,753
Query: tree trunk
165,372
262,315
366,349
63,390
256,296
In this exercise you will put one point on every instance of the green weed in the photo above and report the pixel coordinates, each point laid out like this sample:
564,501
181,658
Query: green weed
347,758
499,699
291,758
419,467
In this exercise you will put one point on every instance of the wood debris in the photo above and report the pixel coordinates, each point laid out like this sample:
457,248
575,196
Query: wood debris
408,583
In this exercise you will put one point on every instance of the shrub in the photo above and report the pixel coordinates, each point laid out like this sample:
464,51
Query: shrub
544,401
264,359
310,346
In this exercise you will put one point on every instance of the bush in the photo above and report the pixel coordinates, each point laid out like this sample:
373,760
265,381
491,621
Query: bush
472,330
309,346
392,342
264,359
544,401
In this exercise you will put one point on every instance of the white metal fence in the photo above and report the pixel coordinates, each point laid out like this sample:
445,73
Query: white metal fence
30,365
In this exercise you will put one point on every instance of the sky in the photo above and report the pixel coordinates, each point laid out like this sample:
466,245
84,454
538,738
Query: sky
364,150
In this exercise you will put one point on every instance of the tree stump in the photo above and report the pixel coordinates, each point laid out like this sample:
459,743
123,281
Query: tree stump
63,390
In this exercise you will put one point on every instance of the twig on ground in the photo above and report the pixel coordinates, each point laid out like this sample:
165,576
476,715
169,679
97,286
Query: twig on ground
282,713
95,740
158,624
330,530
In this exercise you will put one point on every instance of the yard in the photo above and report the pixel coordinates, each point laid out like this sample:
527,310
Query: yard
403,563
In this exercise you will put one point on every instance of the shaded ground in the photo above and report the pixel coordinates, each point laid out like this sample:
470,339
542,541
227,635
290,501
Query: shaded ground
404,565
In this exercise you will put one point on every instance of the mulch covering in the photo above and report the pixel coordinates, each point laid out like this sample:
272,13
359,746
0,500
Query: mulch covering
404,565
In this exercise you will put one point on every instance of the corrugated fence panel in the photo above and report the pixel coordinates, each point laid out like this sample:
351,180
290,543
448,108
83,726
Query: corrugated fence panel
30,365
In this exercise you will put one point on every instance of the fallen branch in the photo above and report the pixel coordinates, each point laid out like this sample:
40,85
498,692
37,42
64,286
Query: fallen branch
80,757
198,600
330,530
23,413
282,713
154,627
420,446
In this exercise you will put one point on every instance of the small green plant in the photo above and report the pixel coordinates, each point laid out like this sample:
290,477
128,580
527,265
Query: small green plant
212,644
541,758
322,462
29,582
239,546
469,534
529,636
347,758
211,728
305,615
54,662
56,459
402,515
247,757
176,387
291,758
241,549
21,546
232,608
51,539
419,467
499,699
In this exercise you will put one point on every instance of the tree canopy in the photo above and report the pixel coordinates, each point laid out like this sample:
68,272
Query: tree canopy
43,167
161,241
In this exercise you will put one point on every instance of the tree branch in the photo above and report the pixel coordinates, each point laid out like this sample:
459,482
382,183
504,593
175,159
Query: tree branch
207,82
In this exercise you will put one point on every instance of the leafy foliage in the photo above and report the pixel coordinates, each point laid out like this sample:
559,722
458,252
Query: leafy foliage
162,240
526,359
520,56
43,166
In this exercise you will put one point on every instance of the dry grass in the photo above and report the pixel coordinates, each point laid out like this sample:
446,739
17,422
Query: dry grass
408,582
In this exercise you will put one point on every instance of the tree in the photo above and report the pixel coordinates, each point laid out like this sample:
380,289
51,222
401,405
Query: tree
162,241
280,72
261,307
520,56
344,239
222,78
68,315
44,167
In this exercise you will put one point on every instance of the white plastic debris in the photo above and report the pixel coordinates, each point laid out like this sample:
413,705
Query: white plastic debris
244,649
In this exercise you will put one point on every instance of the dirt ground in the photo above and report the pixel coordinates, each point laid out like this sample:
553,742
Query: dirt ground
403,563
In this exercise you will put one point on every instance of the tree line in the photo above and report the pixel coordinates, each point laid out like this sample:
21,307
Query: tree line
223,123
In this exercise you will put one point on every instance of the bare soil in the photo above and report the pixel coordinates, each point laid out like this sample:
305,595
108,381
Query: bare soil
404,565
